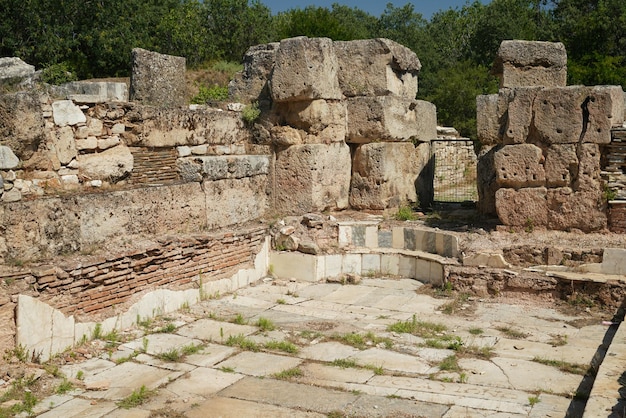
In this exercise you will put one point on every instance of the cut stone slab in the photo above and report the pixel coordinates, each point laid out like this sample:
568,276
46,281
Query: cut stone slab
237,408
391,360
259,364
322,121
203,381
210,330
328,351
79,408
210,355
126,378
314,372
523,207
157,79
88,368
290,395
523,374
161,343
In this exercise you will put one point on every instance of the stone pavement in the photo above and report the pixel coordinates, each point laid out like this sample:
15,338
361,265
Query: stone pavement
331,353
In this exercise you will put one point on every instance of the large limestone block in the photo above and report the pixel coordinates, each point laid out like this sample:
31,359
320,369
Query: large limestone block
558,115
561,165
312,178
605,106
519,113
251,84
523,207
14,68
390,118
21,123
223,167
383,175
520,166
235,201
112,164
305,69
323,121
588,175
8,160
157,79
531,63
488,119
176,127
582,210
91,91
65,145
486,180
65,112
377,67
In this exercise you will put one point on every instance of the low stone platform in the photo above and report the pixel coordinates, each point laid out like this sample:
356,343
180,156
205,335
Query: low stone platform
303,349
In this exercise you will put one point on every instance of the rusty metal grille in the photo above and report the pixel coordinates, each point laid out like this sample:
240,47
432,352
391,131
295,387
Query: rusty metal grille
455,170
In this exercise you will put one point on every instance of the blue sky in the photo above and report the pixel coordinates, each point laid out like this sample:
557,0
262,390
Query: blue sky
373,7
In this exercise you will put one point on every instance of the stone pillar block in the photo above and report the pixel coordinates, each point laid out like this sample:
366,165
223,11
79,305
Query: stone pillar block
531,63
561,165
390,119
251,84
488,119
383,175
519,113
523,207
305,69
605,105
323,121
312,178
559,115
157,79
377,67
582,210
519,166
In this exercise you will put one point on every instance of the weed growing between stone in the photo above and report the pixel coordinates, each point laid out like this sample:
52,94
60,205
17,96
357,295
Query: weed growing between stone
284,346
573,368
289,374
512,333
265,324
138,397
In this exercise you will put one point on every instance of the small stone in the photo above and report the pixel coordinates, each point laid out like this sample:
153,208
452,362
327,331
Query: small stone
287,230
313,220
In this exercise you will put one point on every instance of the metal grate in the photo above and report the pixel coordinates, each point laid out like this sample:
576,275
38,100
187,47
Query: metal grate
455,170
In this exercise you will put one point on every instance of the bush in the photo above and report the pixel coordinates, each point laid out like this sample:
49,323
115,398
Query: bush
250,113
58,74
213,93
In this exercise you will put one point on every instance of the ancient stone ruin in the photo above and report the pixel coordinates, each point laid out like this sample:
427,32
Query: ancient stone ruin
543,141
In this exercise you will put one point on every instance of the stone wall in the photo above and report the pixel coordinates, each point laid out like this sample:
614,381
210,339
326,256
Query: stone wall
542,141
342,120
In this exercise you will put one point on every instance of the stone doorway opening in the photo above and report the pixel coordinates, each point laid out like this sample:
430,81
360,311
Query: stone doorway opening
454,179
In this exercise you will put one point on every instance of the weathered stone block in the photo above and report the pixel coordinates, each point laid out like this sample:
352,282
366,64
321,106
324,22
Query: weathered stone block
21,123
523,207
235,200
531,63
251,84
312,178
488,119
561,165
323,121
383,175
519,113
157,79
519,166
65,112
222,167
559,115
582,210
91,91
174,127
305,69
588,175
605,106
377,67
65,145
486,180
8,160
111,164
390,118
12,68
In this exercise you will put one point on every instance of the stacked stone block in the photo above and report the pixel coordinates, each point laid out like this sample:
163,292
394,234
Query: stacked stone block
328,94
540,165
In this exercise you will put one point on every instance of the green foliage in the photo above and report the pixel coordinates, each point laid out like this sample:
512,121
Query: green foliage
285,346
250,113
564,366
137,398
405,213
450,363
265,324
58,74
64,387
289,374
242,342
207,94
422,329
